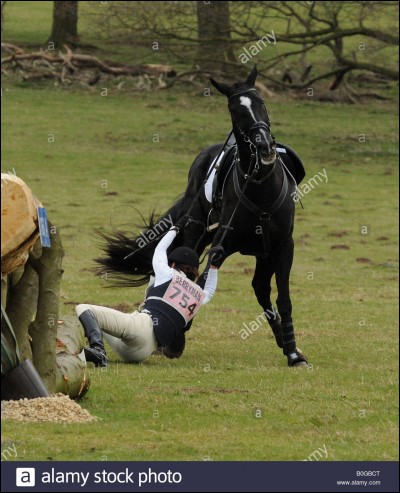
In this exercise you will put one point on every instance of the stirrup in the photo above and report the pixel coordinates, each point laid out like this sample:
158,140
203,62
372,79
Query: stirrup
96,356
297,358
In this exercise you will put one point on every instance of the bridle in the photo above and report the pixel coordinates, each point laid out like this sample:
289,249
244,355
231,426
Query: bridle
252,147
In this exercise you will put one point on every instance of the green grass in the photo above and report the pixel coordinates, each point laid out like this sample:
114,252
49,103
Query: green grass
344,310
226,398
27,22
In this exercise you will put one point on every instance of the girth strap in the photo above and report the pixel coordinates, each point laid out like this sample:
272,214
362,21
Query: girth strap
263,215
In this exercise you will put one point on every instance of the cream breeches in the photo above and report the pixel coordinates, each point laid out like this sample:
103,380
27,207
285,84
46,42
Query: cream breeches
131,335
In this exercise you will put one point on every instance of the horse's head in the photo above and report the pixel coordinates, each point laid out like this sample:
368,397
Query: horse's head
249,116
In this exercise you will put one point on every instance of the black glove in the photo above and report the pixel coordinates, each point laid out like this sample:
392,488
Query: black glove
217,255
182,223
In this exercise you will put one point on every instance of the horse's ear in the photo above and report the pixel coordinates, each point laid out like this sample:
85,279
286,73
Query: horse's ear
251,79
221,87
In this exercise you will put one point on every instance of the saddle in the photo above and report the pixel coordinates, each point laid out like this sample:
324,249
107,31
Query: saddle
292,162
223,170
290,158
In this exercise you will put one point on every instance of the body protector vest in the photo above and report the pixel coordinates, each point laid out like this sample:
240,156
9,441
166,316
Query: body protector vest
172,306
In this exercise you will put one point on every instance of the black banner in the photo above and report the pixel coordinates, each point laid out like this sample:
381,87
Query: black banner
199,476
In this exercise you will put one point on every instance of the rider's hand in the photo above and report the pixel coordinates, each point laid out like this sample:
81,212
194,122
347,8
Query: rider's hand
182,223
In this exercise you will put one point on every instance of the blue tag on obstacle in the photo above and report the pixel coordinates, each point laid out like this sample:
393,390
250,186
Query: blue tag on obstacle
43,228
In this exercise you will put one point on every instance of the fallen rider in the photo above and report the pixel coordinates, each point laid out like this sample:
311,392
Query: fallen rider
171,303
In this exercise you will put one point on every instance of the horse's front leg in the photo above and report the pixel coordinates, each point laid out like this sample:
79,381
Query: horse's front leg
282,274
262,288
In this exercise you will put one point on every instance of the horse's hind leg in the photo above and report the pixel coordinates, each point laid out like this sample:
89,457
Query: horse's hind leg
262,288
282,274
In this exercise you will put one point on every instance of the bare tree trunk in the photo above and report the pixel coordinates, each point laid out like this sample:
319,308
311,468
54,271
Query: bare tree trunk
44,328
65,24
3,4
214,34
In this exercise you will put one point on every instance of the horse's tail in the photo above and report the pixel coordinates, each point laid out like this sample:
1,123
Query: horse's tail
137,269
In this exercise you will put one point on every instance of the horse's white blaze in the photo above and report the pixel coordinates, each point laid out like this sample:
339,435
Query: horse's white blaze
245,101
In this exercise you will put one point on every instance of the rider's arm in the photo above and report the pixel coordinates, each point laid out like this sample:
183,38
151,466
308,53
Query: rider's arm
163,272
211,284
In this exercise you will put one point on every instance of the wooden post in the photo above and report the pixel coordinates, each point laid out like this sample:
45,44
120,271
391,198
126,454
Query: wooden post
21,307
44,328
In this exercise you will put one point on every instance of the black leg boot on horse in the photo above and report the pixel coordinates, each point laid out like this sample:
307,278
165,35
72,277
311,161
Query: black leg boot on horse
294,356
96,353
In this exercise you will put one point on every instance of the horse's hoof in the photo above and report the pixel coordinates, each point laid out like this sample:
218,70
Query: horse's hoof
297,359
300,364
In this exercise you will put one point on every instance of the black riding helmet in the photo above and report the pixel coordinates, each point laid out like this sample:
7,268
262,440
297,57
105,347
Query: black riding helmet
184,255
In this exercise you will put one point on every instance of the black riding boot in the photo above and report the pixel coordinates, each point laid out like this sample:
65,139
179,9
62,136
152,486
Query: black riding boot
96,352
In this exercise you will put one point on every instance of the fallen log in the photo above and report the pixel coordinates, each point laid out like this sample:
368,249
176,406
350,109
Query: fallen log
71,374
78,60
10,48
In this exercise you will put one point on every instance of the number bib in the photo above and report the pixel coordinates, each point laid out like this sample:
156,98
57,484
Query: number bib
184,295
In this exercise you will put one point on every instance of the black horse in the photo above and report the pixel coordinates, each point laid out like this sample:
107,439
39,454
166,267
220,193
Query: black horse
252,212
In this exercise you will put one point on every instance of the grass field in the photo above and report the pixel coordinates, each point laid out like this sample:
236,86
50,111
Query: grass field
91,159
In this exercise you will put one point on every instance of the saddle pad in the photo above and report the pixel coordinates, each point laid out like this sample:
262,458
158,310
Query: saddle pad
209,183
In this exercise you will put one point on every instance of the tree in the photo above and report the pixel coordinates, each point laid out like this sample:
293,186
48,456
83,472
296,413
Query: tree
295,44
214,35
349,32
3,4
65,24
197,34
